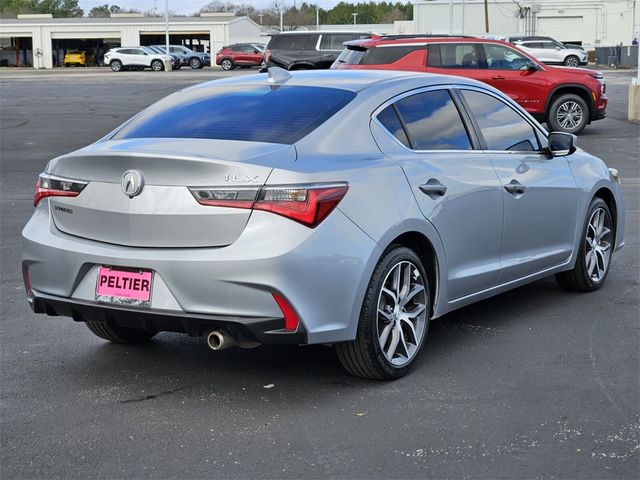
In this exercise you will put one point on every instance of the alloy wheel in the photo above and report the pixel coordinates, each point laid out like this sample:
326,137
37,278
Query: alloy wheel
569,115
598,240
402,313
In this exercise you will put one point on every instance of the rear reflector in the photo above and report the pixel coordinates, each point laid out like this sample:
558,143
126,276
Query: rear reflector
52,186
306,204
291,320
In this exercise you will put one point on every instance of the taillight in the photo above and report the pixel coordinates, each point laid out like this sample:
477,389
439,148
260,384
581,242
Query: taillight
306,204
267,55
52,186
291,320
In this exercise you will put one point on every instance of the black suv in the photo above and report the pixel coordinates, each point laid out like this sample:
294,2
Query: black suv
307,50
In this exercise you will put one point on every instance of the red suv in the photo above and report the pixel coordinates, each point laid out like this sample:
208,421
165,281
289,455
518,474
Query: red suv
240,55
568,99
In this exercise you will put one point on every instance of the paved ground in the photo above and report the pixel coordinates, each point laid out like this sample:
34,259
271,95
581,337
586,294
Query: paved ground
535,383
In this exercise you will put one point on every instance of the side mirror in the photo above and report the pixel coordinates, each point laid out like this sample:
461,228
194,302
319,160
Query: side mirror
561,144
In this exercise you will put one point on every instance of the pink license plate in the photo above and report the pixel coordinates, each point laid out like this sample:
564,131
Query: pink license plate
124,285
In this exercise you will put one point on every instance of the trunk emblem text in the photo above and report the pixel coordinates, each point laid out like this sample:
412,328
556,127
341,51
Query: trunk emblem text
132,183
241,178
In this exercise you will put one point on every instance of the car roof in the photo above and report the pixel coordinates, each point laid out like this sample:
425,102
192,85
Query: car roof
353,80
421,40
321,32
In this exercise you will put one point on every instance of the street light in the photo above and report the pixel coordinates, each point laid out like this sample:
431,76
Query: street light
354,19
167,64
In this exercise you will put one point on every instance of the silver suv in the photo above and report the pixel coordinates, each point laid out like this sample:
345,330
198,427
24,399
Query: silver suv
135,58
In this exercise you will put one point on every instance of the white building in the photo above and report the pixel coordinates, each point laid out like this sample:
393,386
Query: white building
41,41
590,22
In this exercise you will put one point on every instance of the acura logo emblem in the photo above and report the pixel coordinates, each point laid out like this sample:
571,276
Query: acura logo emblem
132,183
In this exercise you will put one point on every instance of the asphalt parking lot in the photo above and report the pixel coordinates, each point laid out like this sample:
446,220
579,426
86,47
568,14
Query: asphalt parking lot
534,383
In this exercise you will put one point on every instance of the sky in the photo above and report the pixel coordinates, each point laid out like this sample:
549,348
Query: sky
188,6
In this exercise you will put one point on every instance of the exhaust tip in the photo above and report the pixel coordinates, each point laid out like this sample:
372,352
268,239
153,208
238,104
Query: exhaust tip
218,340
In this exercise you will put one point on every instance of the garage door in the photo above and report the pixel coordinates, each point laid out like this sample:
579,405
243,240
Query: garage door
564,29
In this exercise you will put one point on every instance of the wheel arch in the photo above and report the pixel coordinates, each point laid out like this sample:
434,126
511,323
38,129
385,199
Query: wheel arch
576,89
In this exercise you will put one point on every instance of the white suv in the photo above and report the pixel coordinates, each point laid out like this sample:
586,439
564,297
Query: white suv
550,51
135,58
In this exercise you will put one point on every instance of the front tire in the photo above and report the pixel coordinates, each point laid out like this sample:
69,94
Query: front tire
594,255
393,321
227,64
572,61
117,334
568,113
195,63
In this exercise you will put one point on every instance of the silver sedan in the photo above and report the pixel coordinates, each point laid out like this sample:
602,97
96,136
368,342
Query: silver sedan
320,207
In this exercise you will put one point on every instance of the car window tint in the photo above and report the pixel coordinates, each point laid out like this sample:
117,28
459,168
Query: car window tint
433,121
502,127
350,56
453,55
503,58
385,55
253,113
294,42
334,41
389,118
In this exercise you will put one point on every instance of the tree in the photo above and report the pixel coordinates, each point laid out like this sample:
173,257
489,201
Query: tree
58,8
104,10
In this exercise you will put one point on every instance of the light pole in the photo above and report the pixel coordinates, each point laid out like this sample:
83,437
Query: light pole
355,15
167,63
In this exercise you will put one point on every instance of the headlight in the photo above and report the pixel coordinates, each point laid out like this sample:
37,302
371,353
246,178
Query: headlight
615,175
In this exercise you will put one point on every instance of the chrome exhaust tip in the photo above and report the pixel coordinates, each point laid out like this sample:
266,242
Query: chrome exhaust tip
219,340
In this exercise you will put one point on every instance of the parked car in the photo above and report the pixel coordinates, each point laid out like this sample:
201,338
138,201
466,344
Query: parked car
307,50
389,199
551,52
135,58
240,55
176,60
76,58
568,99
195,60
525,38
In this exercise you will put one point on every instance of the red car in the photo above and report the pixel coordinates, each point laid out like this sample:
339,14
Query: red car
240,55
568,99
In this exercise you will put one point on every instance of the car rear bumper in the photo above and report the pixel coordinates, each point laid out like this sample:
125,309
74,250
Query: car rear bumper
321,272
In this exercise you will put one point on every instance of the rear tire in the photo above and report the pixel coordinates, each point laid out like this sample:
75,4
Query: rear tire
595,251
227,64
116,65
393,321
157,66
568,113
195,63
117,334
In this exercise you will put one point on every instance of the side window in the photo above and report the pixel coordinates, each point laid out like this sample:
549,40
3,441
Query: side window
125,51
504,58
533,44
502,127
334,41
386,55
433,121
236,48
138,52
391,122
453,55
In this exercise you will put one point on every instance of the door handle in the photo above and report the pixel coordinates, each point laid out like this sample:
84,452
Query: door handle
433,188
497,77
515,188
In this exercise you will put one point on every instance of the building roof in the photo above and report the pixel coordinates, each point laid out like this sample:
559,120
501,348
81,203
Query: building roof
118,20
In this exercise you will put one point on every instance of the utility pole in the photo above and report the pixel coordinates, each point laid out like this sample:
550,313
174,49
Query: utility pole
355,15
317,18
486,16
450,17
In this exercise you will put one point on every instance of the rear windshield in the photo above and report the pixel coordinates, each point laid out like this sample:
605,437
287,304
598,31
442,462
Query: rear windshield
282,114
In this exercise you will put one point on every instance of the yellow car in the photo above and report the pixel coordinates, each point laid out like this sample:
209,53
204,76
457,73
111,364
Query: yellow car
76,58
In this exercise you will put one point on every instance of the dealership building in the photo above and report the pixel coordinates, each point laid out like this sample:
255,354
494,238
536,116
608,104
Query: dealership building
42,41
588,22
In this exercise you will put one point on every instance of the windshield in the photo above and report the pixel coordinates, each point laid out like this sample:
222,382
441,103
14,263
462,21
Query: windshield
260,113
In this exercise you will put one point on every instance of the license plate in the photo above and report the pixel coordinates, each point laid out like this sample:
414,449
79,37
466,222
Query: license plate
131,286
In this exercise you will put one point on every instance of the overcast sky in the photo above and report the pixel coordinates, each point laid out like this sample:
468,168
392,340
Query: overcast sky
189,6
